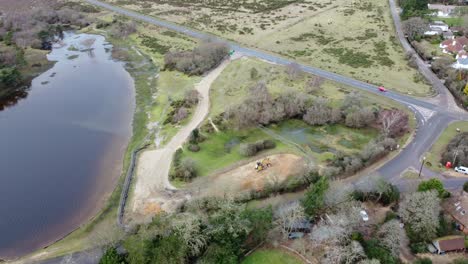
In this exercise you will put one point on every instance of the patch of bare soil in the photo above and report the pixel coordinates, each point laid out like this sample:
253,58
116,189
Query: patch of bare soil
245,178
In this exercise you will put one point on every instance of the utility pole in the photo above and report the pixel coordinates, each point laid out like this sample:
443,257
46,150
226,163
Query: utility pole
422,164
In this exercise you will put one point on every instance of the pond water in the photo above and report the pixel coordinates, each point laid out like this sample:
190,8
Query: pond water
62,146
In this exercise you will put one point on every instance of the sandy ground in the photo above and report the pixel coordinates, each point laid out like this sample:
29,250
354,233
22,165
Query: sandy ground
245,178
153,191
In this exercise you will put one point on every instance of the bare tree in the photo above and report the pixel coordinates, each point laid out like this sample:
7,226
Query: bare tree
293,70
180,115
393,122
360,117
314,84
192,97
319,113
293,102
415,27
420,210
348,253
390,236
336,229
288,214
338,193
351,100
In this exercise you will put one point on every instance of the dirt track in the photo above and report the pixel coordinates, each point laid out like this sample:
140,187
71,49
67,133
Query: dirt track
152,189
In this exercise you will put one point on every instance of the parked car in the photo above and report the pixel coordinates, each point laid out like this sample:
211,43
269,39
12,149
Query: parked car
382,89
364,215
462,169
295,235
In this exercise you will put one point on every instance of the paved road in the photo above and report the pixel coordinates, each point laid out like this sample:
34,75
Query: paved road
443,106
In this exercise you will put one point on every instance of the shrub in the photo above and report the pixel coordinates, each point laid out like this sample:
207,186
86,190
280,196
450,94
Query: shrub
199,61
419,247
177,157
269,144
191,97
194,147
248,149
457,150
187,169
180,115
375,251
390,215
111,256
433,184
465,186
253,73
423,261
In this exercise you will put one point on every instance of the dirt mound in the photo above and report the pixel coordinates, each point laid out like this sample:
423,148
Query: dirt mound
246,178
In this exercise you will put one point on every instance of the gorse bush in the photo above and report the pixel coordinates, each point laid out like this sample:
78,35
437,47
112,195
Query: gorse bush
199,61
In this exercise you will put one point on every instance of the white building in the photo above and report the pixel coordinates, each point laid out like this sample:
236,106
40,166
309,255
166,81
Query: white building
439,25
441,10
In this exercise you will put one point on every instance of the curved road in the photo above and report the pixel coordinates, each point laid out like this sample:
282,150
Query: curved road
433,115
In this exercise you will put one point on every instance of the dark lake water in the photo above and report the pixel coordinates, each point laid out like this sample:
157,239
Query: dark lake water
61,148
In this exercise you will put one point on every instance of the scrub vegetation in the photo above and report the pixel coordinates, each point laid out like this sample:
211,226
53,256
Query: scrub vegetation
355,38
26,34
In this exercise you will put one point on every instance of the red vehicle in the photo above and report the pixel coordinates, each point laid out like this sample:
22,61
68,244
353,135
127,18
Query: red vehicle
382,89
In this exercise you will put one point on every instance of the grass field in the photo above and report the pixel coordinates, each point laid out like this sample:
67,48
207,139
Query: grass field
232,86
355,38
271,256
451,21
435,153
321,142
221,149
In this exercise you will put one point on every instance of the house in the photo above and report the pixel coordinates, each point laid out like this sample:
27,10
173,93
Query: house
441,10
439,25
462,60
449,244
448,35
454,46
433,32
457,205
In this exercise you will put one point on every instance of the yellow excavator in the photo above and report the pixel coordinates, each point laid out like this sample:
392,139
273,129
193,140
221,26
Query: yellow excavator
262,165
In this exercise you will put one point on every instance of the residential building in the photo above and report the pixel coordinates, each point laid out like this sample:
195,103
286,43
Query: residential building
449,244
454,46
439,25
441,10
457,205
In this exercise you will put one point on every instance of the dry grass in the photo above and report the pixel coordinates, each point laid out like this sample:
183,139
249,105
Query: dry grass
355,38
11,5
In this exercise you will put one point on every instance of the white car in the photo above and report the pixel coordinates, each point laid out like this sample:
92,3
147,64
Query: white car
364,215
461,169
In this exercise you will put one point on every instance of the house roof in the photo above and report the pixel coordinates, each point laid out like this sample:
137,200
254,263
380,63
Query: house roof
443,8
463,61
450,243
455,45
457,207
438,23
456,29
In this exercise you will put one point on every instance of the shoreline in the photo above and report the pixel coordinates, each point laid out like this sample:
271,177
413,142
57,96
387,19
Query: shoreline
113,164
107,206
